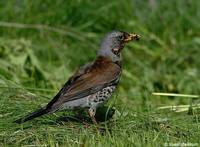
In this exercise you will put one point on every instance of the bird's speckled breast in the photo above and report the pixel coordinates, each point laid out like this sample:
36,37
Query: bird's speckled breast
90,101
101,96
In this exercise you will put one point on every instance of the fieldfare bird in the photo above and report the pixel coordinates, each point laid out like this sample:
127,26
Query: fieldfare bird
94,82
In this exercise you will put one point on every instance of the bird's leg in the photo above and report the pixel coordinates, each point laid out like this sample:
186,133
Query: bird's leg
92,112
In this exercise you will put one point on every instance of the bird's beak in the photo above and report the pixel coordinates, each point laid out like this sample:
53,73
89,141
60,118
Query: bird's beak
131,37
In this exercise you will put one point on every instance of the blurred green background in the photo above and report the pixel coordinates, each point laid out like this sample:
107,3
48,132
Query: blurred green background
43,42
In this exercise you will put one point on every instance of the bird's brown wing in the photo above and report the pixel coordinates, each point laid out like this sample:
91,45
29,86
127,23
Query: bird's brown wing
87,81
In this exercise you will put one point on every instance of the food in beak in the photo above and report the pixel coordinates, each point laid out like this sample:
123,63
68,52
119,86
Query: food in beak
132,37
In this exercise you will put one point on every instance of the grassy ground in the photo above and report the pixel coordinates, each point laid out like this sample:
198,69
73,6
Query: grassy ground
36,60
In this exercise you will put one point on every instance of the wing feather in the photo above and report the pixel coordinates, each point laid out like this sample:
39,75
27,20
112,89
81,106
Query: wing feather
87,81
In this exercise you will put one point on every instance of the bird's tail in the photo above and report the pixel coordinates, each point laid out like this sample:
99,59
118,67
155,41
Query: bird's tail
33,115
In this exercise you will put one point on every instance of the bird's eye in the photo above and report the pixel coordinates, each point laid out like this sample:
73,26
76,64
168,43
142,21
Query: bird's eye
121,37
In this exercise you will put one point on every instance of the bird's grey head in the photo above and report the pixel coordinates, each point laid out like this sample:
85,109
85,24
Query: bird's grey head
113,44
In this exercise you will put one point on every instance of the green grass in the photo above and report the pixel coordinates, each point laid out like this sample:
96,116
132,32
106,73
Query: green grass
36,61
